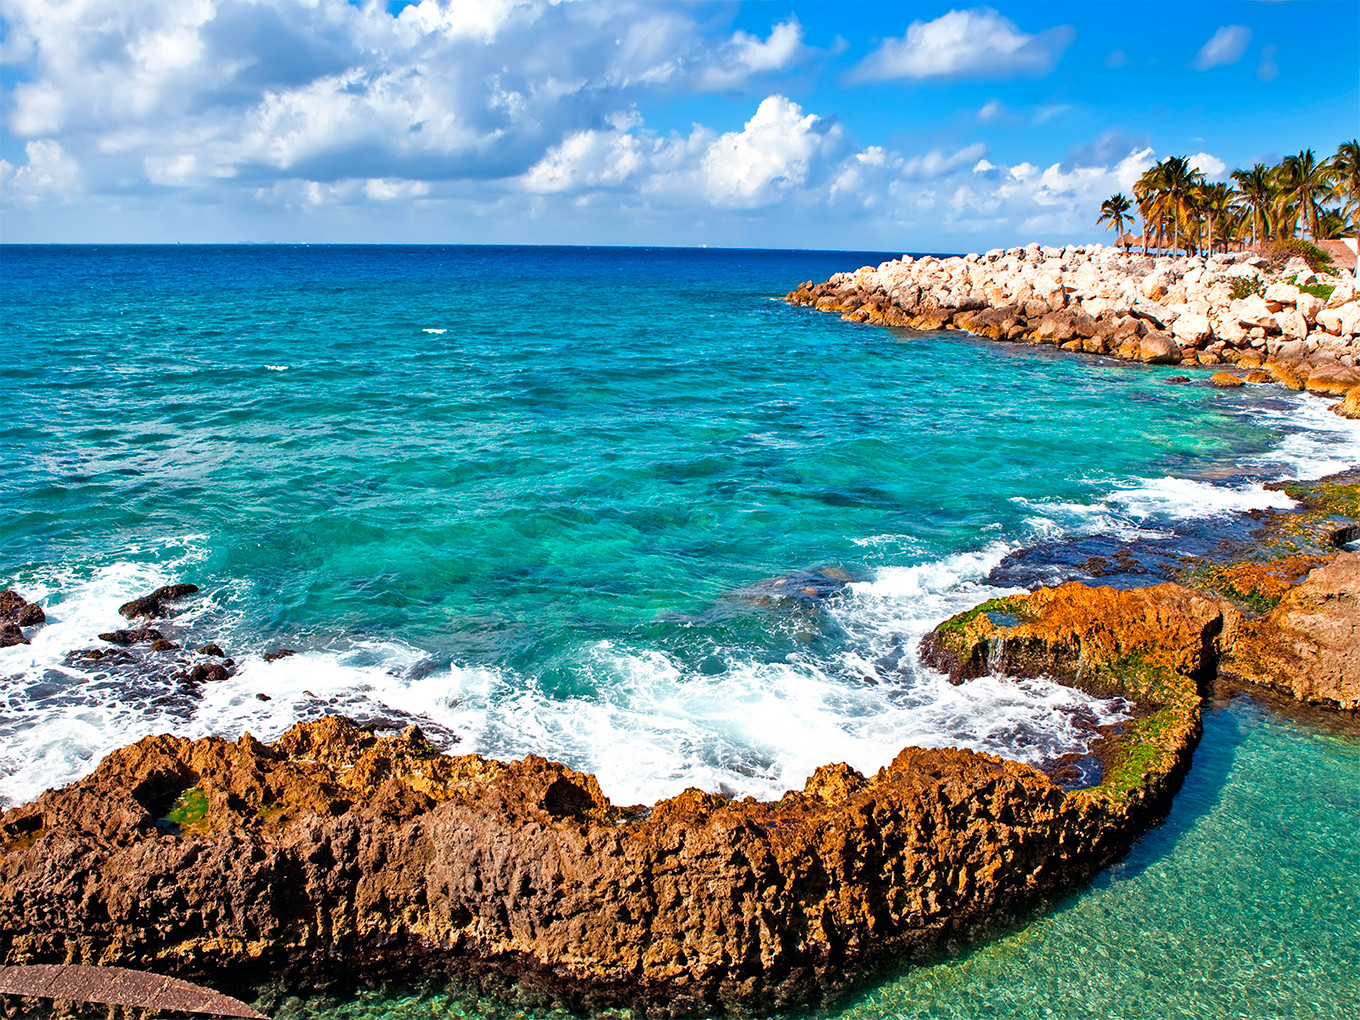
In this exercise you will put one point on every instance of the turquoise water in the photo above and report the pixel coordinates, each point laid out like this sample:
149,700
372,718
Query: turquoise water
1241,905
625,509
539,500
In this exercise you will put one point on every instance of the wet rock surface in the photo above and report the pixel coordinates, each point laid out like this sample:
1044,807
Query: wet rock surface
335,851
16,613
154,606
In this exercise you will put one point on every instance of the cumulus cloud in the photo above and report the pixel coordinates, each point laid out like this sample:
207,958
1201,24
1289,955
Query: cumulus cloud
1226,46
198,93
770,155
50,173
746,55
974,43
1207,164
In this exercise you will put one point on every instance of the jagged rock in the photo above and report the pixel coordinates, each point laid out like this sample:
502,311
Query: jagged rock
212,649
11,634
1226,381
1308,645
138,635
334,852
281,653
208,672
153,605
17,610
1334,380
1350,406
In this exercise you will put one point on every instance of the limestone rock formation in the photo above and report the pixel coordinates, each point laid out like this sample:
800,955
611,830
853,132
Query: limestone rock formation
1309,644
334,852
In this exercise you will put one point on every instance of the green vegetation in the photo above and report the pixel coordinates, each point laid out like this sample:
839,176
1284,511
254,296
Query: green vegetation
1182,211
189,809
1318,290
1280,250
1242,287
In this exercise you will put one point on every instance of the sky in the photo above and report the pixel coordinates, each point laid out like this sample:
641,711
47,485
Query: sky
870,126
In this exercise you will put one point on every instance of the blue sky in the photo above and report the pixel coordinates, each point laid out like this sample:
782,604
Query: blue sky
898,126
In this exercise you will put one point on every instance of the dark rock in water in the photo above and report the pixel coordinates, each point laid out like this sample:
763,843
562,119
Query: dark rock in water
281,653
1175,379
153,605
162,645
132,637
17,610
208,672
264,697
212,649
11,634
802,587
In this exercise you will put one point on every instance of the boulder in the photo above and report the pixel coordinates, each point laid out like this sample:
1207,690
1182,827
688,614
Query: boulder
153,605
1291,323
1308,306
1350,406
1332,380
1158,348
1191,329
1226,381
1281,294
1308,645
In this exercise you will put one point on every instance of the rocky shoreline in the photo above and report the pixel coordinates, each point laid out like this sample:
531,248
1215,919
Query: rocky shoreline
338,853
1234,311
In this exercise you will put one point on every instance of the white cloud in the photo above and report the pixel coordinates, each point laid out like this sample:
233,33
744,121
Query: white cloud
936,164
1225,47
587,159
1267,69
1209,165
991,111
771,155
49,174
746,55
975,43
387,189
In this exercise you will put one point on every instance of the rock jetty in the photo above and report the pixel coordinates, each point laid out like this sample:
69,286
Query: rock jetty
1220,310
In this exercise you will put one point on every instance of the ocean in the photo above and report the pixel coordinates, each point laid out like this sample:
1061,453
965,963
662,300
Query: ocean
625,509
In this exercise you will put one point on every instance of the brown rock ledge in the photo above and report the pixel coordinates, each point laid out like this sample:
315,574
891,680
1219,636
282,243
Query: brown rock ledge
334,854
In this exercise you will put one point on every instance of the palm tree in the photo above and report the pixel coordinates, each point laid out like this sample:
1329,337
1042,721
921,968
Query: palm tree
1148,191
1173,182
1345,175
1112,213
1216,201
1303,183
1256,190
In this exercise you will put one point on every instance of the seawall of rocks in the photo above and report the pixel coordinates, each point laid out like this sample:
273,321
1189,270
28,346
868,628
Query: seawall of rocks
1223,310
